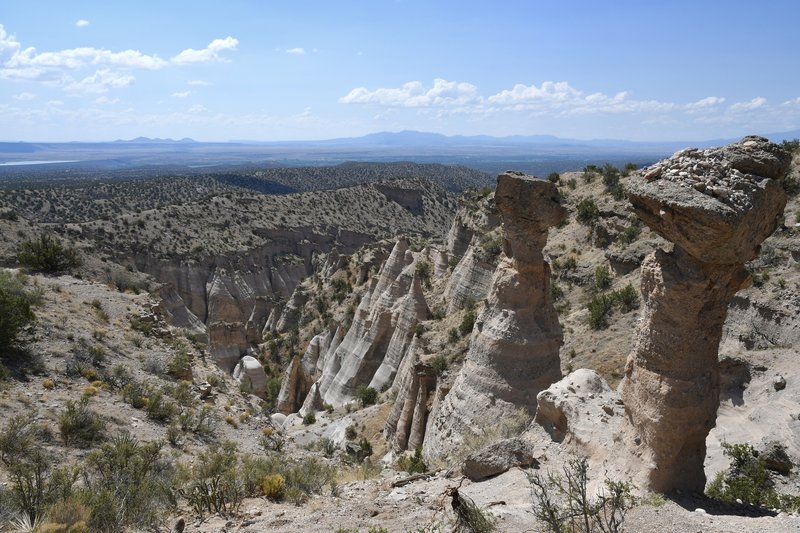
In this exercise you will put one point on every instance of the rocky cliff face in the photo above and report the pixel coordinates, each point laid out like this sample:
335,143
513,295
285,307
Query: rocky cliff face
514,347
414,388
716,206
372,349
234,295
381,332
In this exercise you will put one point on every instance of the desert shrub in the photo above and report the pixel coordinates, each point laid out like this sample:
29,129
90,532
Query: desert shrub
326,446
47,254
413,464
351,432
467,323
630,234
489,248
587,212
126,282
599,306
15,312
748,480
564,504
366,395
309,418
610,176
16,437
554,177
142,325
556,292
452,335
127,484
135,394
602,278
423,271
179,365
272,440
68,515
159,408
360,450
215,484
626,298
274,487
79,425
310,476
439,364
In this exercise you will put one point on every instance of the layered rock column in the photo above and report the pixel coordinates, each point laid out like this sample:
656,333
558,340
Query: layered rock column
716,206
513,353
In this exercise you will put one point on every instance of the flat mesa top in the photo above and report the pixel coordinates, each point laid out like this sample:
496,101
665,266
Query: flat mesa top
718,204
730,174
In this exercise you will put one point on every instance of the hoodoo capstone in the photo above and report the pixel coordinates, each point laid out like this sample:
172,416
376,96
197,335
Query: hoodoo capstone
514,348
717,206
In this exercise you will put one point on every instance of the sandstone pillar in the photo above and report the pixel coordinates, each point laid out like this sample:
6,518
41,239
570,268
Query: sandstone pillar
514,348
716,206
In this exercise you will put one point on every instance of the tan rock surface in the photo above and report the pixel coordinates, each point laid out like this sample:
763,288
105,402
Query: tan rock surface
514,347
717,217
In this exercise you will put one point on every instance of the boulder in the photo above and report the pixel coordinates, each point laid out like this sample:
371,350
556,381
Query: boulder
580,410
497,458
250,372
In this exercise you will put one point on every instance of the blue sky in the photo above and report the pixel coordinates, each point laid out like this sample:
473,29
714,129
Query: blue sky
269,70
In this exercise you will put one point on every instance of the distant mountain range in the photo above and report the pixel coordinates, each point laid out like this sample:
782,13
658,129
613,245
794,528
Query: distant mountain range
533,153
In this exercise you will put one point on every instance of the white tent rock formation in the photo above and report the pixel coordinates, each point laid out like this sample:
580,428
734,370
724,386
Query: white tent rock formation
514,348
717,206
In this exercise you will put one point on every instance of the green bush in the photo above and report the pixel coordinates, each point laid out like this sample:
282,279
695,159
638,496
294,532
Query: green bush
626,298
180,365
366,395
47,254
127,484
310,418
588,213
15,312
602,278
748,480
423,271
467,323
489,249
554,177
439,364
80,426
599,307
412,464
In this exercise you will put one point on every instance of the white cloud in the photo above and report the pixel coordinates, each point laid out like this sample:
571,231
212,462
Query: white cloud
181,94
755,103
209,53
61,68
200,83
296,51
704,103
101,81
197,108
82,23
24,96
414,94
105,100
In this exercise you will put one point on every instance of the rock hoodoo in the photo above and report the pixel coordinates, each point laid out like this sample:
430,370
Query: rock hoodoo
716,206
514,348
